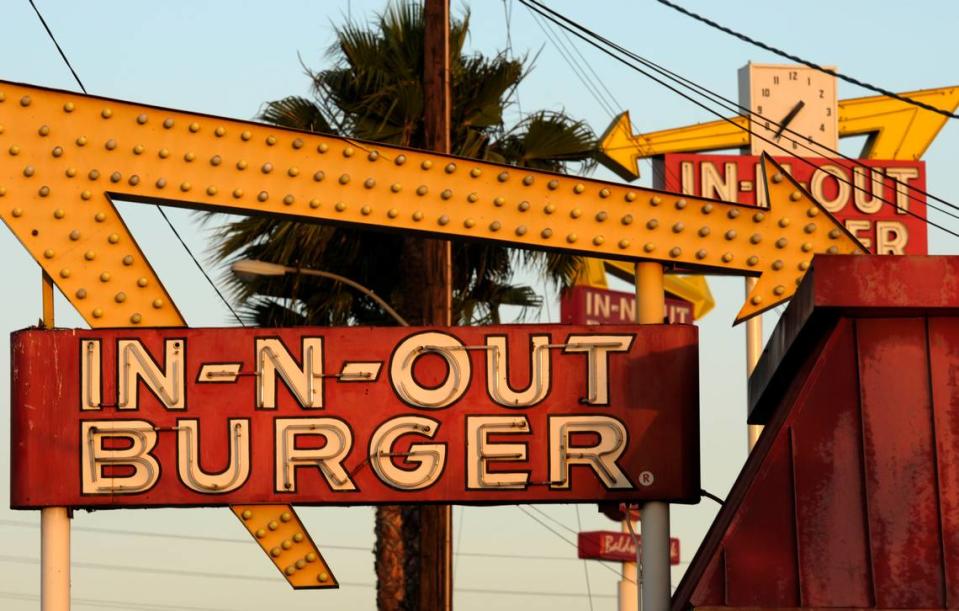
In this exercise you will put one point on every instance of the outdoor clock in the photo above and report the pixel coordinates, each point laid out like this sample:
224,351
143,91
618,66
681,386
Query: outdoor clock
794,107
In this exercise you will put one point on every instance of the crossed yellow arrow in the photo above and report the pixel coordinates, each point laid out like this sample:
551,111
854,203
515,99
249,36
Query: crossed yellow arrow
896,130
64,158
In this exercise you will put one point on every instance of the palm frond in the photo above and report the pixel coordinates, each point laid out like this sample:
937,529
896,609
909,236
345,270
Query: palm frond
372,90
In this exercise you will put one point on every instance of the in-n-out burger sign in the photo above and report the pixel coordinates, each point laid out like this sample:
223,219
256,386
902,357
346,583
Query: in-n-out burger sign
882,203
157,417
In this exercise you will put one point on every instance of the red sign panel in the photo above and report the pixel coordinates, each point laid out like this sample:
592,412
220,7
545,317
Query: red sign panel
616,546
317,416
586,305
852,191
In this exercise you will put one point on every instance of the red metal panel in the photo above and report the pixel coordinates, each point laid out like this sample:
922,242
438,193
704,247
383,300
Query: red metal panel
901,486
760,567
873,422
652,391
852,286
827,458
711,588
944,370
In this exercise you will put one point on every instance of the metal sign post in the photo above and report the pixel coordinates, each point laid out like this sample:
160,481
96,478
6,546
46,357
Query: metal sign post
654,569
54,521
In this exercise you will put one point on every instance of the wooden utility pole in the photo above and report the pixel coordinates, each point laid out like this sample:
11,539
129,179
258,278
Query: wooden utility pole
414,542
436,521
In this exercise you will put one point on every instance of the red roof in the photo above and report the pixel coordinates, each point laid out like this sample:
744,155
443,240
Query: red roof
851,497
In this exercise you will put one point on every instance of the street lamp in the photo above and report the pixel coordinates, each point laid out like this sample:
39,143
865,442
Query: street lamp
250,268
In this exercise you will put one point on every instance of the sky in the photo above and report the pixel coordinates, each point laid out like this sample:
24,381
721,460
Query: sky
228,58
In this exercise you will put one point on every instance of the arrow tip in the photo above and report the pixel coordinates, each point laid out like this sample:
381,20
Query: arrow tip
799,227
619,150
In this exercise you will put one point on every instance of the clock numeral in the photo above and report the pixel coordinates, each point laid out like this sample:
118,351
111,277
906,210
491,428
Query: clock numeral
764,92
793,75
822,94
775,80
809,80
828,111
759,109
822,127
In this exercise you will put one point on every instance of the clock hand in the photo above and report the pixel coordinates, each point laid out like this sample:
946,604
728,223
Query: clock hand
788,119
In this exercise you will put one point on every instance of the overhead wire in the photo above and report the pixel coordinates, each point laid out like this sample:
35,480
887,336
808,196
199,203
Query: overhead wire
556,532
163,214
595,86
660,171
112,604
576,69
589,589
907,211
806,62
734,106
738,108
241,541
9,558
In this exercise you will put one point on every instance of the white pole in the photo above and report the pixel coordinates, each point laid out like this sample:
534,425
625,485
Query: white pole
656,588
654,594
54,559
54,521
629,584
754,348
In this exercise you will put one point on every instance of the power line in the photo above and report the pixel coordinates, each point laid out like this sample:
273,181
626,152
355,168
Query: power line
200,267
806,62
733,106
712,111
43,22
575,68
609,104
112,604
559,534
159,209
553,520
725,102
589,590
239,541
244,577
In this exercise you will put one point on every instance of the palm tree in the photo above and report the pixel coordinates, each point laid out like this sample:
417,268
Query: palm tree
374,91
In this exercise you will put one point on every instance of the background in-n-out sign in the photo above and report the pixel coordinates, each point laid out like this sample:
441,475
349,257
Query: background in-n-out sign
852,191
321,416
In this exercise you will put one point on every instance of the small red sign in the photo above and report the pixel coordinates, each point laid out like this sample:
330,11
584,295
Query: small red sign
326,416
586,305
616,546
882,203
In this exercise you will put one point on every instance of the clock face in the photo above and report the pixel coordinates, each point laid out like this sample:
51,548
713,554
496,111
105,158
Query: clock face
795,110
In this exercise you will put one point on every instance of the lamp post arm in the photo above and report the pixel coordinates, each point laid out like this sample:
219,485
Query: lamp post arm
356,285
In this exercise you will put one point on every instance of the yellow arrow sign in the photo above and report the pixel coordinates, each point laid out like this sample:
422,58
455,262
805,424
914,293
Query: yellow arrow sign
108,257
66,156
897,130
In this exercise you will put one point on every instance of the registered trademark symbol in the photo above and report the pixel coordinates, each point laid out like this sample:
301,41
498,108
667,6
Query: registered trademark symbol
646,478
